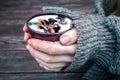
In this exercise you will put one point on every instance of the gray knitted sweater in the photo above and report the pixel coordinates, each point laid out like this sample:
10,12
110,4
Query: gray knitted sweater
98,41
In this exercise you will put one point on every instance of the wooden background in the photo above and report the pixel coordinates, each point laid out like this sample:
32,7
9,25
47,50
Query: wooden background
15,62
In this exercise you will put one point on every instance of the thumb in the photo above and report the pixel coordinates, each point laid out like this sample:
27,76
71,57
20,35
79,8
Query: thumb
68,38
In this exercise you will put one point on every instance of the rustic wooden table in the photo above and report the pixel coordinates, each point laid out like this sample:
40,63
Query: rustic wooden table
15,61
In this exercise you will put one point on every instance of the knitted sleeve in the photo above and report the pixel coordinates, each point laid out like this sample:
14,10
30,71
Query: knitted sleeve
93,35
106,62
114,67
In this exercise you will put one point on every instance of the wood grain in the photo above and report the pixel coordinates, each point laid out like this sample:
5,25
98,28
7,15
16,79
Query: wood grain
41,76
15,62
18,61
19,65
14,14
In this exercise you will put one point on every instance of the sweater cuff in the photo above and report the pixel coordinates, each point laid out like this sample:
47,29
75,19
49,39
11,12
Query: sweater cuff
88,39
114,67
99,5
114,21
93,35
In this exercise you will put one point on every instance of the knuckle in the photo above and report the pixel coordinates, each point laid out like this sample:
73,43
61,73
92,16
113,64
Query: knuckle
52,50
52,67
48,59
37,44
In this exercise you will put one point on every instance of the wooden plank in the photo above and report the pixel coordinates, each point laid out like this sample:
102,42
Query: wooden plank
15,62
12,43
19,65
19,61
14,14
41,76
12,17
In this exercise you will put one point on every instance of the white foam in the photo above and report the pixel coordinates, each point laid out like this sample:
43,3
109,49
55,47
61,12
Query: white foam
46,17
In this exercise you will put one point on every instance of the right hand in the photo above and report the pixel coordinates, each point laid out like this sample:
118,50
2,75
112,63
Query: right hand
57,54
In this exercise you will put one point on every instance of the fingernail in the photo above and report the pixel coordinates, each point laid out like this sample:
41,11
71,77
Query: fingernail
41,65
65,39
27,46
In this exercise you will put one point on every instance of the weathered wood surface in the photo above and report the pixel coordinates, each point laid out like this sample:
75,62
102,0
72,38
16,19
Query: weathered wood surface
19,65
20,61
15,62
12,43
14,13
41,76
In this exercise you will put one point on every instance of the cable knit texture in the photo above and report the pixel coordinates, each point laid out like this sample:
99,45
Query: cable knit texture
98,40
115,63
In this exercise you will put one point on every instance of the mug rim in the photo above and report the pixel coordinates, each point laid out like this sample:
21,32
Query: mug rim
38,32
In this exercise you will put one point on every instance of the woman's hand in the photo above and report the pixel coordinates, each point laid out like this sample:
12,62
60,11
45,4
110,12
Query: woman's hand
52,56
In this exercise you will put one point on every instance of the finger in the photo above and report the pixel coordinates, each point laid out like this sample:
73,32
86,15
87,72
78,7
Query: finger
52,65
48,69
48,58
27,36
70,37
25,29
52,48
